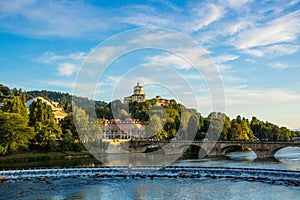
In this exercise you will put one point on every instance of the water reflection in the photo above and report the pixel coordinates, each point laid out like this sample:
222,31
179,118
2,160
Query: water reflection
286,159
137,159
242,155
288,154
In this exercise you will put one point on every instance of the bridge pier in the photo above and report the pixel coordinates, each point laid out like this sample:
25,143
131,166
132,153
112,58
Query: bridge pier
174,149
263,154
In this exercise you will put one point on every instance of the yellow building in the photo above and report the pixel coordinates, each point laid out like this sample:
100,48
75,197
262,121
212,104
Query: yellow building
164,102
57,111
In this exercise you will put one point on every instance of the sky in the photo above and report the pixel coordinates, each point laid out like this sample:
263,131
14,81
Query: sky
252,46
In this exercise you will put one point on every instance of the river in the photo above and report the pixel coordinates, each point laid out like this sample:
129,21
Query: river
89,187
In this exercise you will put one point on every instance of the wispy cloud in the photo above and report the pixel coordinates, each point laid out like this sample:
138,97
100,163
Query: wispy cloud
144,16
281,65
52,18
236,4
273,50
283,29
237,27
206,14
224,58
49,57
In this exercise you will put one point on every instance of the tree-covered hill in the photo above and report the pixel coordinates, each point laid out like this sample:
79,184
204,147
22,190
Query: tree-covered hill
238,128
37,131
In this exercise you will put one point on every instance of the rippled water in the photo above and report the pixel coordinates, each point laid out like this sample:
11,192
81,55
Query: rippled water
87,188
166,188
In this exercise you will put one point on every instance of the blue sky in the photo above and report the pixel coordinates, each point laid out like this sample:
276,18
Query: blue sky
255,45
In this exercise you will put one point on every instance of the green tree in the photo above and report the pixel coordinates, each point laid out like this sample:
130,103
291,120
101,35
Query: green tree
15,105
240,130
161,135
68,126
4,90
226,128
88,129
67,141
14,132
192,127
269,131
154,127
213,125
247,132
47,131
123,114
235,131
285,134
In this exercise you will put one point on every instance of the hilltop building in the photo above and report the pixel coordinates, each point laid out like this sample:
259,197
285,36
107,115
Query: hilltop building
139,95
130,128
58,112
164,102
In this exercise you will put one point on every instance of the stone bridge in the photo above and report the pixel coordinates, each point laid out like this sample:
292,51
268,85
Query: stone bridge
261,149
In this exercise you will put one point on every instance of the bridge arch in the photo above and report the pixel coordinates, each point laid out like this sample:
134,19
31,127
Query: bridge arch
233,148
261,149
192,149
275,151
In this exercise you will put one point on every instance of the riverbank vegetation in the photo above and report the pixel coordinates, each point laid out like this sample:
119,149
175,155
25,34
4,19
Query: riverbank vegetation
35,131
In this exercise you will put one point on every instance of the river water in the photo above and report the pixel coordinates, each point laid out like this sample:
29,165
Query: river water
89,187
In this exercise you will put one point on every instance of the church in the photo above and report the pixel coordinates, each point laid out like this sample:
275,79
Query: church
139,95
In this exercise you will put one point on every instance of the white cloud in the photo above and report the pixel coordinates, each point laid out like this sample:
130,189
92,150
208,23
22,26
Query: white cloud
236,4
283,29
224,58
144,20
278,66
66,69
52,18
171,60
273,50
238,26
49,57
205,14
186,58
102,55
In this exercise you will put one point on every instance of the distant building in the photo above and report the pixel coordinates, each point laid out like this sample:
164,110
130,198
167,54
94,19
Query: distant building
58,112
164,102
139,95
119,129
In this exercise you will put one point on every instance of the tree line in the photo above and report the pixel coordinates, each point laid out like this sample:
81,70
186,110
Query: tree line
35,129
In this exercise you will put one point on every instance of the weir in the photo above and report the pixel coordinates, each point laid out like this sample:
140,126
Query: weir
249,174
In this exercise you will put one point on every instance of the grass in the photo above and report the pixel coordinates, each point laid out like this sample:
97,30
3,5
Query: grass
32,157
